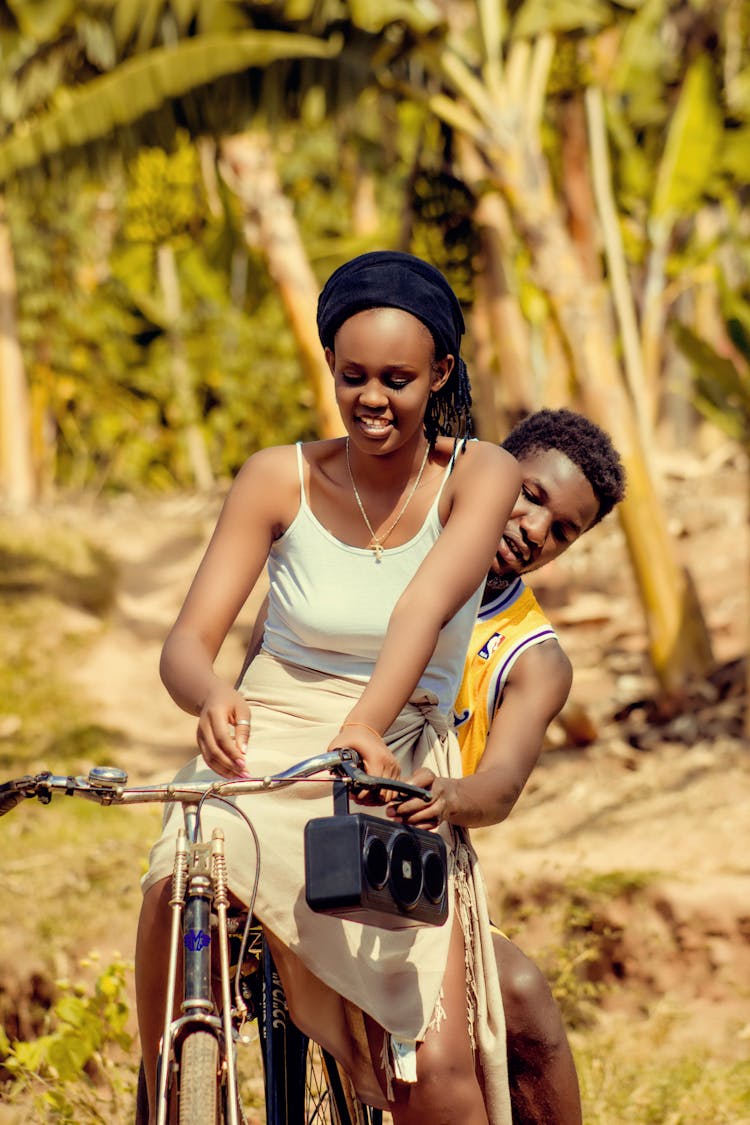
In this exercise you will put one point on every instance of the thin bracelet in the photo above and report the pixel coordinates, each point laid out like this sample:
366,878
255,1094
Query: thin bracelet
356,724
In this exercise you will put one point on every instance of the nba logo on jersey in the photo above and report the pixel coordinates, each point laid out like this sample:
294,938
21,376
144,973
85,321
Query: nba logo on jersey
490,645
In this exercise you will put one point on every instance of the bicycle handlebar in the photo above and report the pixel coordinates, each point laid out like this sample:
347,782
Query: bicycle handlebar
107,785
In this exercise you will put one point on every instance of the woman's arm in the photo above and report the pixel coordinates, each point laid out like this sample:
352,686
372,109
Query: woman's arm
255,643
260,503
485,484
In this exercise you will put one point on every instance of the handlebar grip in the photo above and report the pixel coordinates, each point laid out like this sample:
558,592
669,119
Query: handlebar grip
13,792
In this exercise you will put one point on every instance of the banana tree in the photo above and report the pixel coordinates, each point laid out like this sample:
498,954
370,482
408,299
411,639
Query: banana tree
148,66
139,93
489,87
16,464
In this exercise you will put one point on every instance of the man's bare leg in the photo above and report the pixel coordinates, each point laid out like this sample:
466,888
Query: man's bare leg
543,1080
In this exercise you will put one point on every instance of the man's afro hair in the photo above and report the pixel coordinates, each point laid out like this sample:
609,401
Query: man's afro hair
582,441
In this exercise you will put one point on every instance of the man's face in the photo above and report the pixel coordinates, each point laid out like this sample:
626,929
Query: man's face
556,504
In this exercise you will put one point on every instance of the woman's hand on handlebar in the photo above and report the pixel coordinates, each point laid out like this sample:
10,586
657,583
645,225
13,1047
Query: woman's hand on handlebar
224,731
416,812
377,759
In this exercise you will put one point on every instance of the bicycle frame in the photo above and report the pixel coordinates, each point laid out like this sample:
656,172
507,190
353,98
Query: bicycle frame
198,882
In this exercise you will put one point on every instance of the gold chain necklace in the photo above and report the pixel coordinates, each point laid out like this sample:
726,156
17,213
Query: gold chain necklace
377,543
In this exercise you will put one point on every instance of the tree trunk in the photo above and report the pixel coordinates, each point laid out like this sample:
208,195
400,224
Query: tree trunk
487,413
17,479
247,164
508,331
679,640
642,394
182,380
502,118
746,724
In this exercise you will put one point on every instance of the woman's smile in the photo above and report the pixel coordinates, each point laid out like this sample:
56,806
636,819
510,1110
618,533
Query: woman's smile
372,426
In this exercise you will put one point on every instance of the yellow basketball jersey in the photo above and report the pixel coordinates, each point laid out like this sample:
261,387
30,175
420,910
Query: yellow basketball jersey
504,629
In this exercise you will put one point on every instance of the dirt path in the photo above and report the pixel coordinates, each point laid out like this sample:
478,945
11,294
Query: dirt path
158,546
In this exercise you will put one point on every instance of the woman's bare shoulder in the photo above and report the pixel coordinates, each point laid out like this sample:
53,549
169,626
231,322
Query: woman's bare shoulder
276,470
281,458
266,464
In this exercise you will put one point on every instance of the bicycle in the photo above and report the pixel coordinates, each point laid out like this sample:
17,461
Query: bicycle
197,1075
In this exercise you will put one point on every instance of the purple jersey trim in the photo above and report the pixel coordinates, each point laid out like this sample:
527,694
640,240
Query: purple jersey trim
501,675
502,601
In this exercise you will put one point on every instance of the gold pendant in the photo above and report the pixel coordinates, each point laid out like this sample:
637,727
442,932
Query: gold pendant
377,550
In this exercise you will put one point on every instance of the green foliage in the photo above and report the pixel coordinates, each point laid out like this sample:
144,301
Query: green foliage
693,141
443,229
165,200
645,67
92,325
85,1030
535,17
721,389
77,344
94,111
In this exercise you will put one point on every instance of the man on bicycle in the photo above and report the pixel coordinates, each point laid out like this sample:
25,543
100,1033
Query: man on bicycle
516,680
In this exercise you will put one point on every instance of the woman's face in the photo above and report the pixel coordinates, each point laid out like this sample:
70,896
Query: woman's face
384,367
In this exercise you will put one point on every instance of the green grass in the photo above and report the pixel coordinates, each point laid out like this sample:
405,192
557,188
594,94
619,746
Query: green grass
640,1072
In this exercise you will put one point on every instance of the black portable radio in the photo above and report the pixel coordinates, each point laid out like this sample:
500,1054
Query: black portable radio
371,870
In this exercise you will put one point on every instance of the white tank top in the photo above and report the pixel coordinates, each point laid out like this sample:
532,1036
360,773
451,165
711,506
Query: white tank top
330,603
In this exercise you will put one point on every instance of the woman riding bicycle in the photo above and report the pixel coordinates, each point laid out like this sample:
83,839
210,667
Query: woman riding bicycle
377,546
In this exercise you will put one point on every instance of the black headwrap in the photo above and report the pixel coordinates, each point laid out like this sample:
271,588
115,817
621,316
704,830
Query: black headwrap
392,279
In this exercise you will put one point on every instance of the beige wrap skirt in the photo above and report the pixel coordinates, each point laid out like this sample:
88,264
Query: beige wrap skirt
334,970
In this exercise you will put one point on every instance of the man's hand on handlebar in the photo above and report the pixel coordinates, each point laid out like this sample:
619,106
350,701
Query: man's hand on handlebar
420,815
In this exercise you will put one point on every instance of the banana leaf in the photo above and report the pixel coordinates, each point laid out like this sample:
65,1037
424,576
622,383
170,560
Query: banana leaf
140,85
692,147
721,391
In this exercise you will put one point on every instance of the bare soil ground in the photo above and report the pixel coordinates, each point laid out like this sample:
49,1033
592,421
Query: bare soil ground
660,801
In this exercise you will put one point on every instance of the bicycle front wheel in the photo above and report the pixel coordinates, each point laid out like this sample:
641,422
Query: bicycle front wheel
199,1096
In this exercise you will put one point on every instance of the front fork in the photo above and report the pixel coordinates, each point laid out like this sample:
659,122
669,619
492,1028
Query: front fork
199,880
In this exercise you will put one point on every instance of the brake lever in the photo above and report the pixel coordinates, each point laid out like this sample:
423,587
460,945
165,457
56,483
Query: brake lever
361,780
13,792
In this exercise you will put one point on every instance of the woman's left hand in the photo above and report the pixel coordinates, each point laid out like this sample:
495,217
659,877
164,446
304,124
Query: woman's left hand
377,759
415,812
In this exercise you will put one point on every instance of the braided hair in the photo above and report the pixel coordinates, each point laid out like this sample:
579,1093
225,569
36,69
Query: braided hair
449,409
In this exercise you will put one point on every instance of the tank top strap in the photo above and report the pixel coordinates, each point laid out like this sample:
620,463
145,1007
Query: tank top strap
459,446
301,473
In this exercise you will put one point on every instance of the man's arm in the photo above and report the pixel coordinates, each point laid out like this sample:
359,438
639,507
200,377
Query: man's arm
537,688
